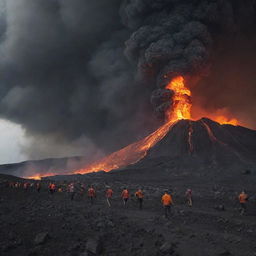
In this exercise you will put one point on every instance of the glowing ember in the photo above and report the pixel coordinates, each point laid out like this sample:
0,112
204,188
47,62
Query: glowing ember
39,176
225,120
181,107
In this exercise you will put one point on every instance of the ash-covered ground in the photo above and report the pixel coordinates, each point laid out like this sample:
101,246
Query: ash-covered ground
35,223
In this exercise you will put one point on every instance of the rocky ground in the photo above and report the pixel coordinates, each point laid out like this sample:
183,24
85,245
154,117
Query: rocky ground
34,223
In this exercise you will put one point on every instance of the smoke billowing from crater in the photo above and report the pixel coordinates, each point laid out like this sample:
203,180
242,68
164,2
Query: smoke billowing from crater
93,71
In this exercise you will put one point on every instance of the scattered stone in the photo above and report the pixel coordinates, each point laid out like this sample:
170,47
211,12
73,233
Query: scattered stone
167,247
41,238
93,245
225,253
84,254
246,172
219,207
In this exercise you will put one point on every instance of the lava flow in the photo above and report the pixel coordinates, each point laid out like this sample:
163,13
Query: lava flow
138,150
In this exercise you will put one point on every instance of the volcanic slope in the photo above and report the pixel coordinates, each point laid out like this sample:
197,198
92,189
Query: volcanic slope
204,143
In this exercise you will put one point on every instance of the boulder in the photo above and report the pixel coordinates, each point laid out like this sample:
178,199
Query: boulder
94,246
167,248
41,238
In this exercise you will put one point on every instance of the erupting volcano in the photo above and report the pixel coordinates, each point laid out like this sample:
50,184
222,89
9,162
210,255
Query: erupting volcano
179,109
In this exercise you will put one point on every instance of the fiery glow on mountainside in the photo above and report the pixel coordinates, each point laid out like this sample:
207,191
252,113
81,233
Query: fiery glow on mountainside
225,120
39,176
130,154
181,107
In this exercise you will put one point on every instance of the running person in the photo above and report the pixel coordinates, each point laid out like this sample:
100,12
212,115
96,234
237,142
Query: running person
91,194
140,195
243,198
167,202
109,194
125,196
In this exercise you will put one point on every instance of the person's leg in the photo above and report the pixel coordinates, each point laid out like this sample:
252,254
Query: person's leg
241,210
140,202
108,201
165,211
189,201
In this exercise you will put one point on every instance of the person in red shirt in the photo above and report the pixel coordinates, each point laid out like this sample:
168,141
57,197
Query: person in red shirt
91,194
52,188
109,194
125,196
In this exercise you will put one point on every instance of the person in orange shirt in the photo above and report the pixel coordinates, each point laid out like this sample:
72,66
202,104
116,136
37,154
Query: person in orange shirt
167,202
140,195
52,188
91,194
109,194
243,198
125,196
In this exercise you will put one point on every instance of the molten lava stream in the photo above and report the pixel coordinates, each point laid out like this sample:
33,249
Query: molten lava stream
130,154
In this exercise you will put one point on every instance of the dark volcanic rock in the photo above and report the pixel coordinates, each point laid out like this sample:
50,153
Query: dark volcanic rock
167,248
94,246
41,238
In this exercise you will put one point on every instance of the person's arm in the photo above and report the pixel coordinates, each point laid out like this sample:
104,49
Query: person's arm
172,201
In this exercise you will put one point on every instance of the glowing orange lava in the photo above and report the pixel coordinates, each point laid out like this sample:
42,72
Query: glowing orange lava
225,120
39,176
130,154
181,107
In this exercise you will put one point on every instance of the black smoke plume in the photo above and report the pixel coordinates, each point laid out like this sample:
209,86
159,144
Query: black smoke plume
81,75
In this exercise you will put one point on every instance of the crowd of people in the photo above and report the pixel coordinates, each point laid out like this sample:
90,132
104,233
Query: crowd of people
74,189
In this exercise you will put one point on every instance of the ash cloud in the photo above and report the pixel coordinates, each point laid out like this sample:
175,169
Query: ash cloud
173,38
64,76
88,75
